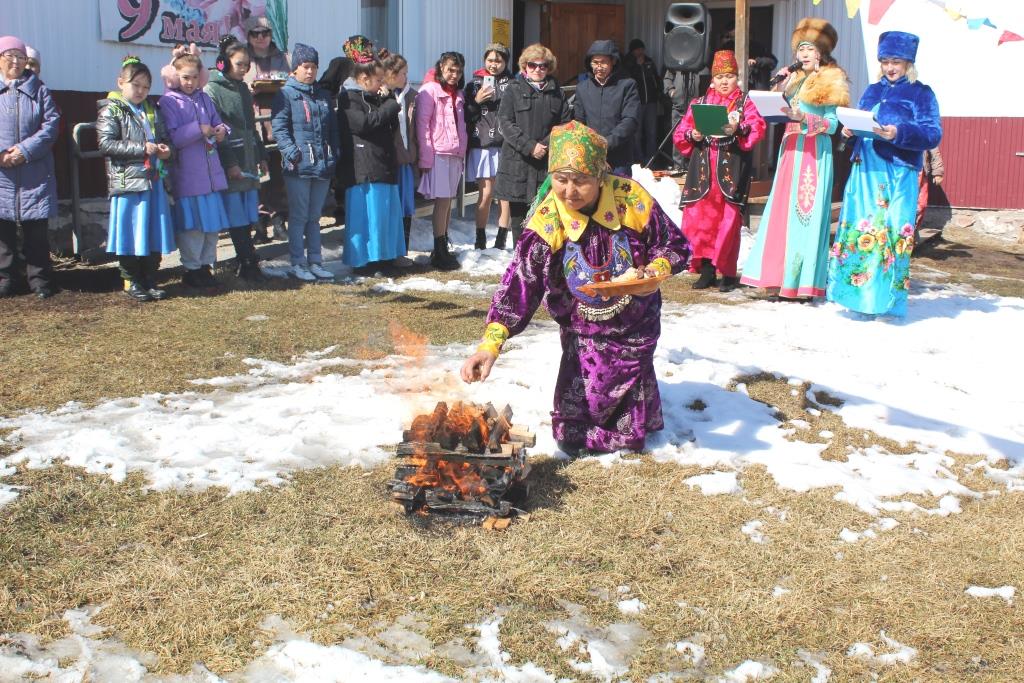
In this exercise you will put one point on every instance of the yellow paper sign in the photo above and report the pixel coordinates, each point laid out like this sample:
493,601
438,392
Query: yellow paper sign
501,31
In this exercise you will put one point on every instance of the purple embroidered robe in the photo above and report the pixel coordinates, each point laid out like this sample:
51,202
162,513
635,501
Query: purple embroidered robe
606,395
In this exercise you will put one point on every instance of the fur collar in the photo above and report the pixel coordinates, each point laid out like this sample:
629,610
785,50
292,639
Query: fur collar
828,87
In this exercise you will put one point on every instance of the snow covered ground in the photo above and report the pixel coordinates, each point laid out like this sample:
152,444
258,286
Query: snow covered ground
944,379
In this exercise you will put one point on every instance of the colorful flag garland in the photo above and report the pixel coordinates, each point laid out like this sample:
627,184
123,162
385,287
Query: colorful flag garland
878,8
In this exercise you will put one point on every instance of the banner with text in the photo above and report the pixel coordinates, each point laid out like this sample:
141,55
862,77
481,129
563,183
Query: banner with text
170,22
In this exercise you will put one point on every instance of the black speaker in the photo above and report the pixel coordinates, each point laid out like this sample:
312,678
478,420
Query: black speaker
687,35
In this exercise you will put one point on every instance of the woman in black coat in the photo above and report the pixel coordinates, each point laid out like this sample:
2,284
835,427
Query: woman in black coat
533,104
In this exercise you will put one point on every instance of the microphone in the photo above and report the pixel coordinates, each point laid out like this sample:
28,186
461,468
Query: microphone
779,77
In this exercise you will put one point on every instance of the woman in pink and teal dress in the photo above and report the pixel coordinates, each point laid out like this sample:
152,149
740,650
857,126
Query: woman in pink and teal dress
869,271
588,226
790,252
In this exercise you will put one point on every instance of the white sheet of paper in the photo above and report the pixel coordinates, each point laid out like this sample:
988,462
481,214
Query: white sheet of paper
859,121
768,103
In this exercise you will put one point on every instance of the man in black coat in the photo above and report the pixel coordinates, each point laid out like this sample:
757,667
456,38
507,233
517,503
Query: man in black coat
607,101
644,71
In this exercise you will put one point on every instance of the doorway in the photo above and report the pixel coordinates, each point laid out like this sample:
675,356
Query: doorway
570,28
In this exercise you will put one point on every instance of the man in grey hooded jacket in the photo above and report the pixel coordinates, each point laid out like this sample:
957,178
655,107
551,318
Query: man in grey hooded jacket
607,101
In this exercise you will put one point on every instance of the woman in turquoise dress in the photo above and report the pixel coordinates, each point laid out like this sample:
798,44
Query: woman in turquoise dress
790,252
869,271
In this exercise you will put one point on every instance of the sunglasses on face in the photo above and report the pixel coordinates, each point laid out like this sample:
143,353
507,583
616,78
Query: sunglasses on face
536,66
259,34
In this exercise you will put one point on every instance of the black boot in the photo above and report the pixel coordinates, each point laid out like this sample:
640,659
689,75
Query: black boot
481,239
407,226
441,258
707,275
260,232
516,234
192,278
729,283
249,270
149,278
137,290
500,238
206,278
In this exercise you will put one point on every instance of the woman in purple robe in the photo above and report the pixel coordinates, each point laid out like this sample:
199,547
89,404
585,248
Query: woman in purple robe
589,226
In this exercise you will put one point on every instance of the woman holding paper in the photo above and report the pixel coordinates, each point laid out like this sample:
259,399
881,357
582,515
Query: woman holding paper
718,175
790,253
869,271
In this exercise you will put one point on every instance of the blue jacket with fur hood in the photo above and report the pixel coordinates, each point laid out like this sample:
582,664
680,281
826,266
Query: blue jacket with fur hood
913,109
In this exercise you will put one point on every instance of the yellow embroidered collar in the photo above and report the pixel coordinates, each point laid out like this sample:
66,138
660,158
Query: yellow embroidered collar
622,203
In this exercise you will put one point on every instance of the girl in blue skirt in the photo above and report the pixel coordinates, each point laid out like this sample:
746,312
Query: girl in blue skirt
241,154
133,138
367,167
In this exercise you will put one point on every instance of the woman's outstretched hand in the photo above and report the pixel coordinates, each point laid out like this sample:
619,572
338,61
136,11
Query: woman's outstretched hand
478,366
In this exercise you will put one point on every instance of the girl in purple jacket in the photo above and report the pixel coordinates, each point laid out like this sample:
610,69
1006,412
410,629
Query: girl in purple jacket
197,176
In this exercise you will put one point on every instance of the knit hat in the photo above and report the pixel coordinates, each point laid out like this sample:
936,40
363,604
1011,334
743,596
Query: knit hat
724,63
11,43
32,53
303,53
635,43
575,147
257,22
818,32
357,48
898,45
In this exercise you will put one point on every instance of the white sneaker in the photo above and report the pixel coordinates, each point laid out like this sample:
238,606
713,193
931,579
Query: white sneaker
302,273
320,272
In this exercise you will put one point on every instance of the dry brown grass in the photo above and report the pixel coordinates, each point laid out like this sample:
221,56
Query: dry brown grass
190,575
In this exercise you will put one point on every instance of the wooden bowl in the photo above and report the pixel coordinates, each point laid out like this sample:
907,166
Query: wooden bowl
643,287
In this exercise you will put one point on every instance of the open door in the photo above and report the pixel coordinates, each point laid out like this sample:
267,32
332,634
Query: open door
569,29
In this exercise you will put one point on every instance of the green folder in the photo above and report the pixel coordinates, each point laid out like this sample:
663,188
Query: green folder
710,119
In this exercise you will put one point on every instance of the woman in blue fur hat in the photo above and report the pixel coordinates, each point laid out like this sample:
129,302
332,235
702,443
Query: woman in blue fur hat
869,268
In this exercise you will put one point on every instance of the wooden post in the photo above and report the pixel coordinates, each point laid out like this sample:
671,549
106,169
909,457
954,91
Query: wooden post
743,40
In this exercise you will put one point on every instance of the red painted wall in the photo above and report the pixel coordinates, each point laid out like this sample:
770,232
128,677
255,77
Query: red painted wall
982,169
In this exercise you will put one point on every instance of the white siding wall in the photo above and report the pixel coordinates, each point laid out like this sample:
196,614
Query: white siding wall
463,26
850,53
67,34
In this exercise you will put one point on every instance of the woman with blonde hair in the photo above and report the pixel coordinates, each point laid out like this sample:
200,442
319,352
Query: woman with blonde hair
870,267
790,252
533,104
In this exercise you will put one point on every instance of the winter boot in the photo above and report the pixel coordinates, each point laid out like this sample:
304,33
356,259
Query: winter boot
407,226
192,278
260,233
728,283
441,258
516,234
249,270
707,275
481,239
206,278
137,290
500,238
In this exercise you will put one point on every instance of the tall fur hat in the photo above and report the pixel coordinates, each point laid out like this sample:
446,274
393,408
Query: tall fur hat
898,44
818,32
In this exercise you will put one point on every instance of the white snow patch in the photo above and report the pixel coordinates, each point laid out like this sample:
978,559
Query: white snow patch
1004,592
693,654
632,606
779,591
753,530
427,284
898,654
821,672
608,649
715,483
749,671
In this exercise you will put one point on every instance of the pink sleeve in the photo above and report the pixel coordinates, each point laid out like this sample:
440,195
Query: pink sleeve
460,124
424,128
679,138
753,120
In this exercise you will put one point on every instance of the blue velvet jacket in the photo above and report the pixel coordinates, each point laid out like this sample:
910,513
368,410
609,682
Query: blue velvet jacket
913,109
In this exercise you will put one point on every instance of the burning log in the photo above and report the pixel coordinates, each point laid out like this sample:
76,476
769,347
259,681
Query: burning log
462,461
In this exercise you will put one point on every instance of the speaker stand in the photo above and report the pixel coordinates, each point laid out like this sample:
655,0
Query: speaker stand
661,148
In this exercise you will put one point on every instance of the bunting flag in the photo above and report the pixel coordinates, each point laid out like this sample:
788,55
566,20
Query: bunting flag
817,2
851,8
977,22
954,14
1009,37
878,9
